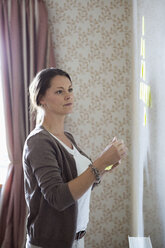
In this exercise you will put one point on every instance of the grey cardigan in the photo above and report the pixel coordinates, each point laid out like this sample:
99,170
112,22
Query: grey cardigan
48,167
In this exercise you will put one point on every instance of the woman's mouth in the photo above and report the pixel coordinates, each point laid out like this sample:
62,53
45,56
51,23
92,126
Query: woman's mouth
68,104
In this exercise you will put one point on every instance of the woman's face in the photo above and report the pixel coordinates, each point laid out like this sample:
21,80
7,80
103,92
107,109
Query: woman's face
58,99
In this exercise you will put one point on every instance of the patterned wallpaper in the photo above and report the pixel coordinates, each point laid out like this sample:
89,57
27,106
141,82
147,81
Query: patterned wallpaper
92,42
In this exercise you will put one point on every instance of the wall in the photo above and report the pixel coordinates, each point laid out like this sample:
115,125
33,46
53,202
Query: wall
92,41
148,141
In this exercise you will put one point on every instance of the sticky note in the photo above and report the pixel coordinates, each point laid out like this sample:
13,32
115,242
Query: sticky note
142,53
150,100
145,94
148,92
143,70
143,49
109,167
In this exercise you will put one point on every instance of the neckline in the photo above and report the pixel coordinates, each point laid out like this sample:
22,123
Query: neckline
67,147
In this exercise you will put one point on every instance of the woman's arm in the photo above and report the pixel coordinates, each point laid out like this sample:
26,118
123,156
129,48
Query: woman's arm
41,157
111,155
43,173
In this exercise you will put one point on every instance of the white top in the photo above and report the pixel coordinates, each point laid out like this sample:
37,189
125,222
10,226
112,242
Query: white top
82,163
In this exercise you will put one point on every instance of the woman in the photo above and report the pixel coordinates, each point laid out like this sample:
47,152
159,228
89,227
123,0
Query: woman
58,175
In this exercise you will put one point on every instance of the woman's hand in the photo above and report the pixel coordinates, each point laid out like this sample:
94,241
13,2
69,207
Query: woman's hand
113,153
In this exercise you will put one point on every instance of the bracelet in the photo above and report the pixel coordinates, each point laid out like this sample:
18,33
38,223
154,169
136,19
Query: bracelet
96,173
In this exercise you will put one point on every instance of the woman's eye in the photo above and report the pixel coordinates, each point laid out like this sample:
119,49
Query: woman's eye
71,89
59,92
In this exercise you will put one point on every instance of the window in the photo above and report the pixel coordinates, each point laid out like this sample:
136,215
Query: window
4,160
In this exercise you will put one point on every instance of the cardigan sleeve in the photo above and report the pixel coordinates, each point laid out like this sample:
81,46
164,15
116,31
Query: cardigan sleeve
41,157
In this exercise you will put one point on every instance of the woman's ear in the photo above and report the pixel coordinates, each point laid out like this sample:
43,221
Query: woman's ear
41,100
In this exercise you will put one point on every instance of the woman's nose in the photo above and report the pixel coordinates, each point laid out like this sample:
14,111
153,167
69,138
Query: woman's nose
68,96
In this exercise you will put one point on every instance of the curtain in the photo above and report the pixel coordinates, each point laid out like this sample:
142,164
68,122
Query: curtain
25,49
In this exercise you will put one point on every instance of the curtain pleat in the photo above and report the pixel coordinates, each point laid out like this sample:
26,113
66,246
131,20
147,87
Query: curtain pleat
25,48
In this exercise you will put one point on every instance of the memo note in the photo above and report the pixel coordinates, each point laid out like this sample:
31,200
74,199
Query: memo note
145,94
